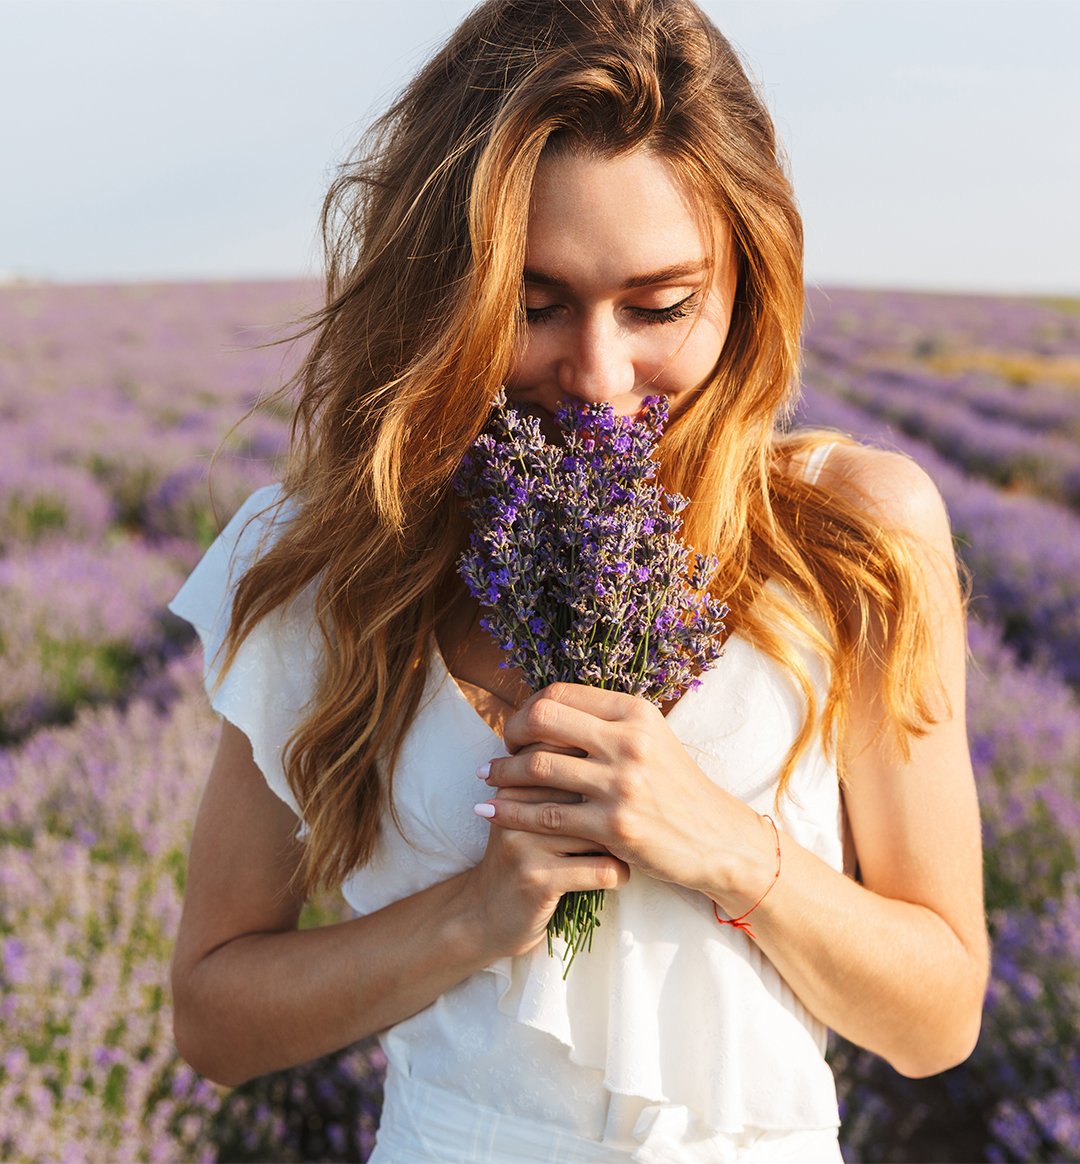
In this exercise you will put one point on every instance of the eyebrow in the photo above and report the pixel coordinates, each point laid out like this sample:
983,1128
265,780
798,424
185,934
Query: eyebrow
651,279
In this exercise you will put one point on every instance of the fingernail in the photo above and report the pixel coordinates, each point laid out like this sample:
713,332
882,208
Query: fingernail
483,772
485,808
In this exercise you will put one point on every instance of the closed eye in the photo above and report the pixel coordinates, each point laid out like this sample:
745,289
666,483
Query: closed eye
678,310
540,314
670,314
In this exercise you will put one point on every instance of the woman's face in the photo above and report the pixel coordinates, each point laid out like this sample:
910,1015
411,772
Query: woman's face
618,303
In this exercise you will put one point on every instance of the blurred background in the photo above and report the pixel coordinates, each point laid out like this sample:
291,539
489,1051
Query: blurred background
185,139
164,162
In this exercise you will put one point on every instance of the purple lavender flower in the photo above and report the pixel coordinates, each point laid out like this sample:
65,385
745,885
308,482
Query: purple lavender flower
575,555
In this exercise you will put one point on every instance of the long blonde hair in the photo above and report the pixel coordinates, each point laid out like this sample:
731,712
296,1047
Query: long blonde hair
424,229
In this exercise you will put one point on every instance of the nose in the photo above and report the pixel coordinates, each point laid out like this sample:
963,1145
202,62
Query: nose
597,366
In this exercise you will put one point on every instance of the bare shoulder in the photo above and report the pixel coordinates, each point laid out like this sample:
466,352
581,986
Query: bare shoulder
891,487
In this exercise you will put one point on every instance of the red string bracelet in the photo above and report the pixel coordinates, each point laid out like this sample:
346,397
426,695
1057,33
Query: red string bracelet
740,922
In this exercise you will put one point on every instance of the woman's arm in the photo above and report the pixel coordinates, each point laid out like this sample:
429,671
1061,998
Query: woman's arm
253,994
898,963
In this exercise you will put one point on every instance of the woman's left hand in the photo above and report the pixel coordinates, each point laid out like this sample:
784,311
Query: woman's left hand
642,798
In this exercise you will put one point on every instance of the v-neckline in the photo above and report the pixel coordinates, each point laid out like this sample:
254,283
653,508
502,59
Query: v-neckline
448,679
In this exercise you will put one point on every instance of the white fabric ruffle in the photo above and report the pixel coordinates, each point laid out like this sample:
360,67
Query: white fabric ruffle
272,679
671,1007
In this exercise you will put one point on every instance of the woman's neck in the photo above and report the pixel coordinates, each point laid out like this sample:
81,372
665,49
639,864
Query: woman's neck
473,658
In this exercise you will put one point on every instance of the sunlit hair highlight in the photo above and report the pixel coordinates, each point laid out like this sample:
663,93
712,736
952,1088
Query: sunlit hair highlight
424,229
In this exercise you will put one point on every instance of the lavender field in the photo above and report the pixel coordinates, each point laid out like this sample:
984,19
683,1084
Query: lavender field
113,401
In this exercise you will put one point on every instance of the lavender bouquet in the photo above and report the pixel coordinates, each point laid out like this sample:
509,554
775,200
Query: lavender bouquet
574,555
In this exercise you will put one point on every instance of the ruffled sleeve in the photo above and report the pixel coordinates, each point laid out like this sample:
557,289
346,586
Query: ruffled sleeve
272,678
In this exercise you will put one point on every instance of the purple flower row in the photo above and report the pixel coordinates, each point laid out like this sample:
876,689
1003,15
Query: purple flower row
107,393
94,826
1046,408
1016,1098
1024,552
77,620
999,450
114,400
854,325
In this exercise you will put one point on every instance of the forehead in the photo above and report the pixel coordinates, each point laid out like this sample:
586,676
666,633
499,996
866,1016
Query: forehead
588,211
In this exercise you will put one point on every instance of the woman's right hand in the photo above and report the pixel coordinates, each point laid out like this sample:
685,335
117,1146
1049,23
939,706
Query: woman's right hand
522,876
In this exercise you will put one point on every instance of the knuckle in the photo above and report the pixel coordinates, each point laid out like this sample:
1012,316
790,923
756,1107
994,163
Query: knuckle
533,880
516,850
628,783
646,713
551,817
635,744
620,826
538,766
513,813
540,716
513,841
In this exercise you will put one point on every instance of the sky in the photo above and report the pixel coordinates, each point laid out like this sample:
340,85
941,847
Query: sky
932,142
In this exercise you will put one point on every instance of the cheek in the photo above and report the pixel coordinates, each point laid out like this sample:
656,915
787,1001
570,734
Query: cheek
706,341
695,359
527,361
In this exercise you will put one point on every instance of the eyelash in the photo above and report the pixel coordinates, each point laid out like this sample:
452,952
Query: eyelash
670,314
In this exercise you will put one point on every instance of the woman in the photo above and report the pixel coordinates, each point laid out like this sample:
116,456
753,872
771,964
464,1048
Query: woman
580,200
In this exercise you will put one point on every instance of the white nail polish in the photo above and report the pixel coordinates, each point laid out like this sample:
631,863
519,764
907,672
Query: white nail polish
483,772
484,809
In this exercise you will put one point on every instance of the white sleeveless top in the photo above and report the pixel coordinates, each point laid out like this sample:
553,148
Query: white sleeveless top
672,1029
